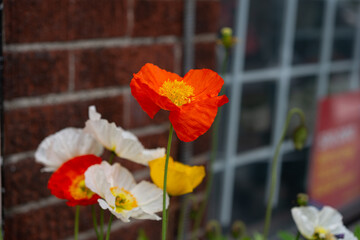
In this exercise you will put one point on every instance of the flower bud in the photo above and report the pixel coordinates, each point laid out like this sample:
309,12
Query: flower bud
299,137
227,39
238,229
213,230
302,199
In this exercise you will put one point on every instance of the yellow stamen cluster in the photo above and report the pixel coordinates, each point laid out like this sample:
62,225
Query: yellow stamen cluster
79,190
177,91
322,234
124,200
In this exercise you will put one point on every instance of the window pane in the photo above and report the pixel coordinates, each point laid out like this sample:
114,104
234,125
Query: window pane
338,83
344,34
215,197
249,192
263,33
308,31
256,115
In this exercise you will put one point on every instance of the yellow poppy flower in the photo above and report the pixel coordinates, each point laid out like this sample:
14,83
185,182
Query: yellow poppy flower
181,178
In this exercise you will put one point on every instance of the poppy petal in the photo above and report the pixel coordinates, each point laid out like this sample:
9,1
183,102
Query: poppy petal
206,83
193,120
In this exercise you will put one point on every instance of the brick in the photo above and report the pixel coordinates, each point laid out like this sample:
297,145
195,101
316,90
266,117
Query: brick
26,128
35,20
203,143
156,18
23,183
205,55
97,19
207,16
35,73
105,67
46,21
50,222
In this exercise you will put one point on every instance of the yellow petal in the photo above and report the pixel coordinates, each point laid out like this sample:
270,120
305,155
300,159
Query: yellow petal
181,178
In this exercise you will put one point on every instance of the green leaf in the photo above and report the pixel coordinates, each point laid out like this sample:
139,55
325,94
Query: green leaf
284,235
357,231
142,235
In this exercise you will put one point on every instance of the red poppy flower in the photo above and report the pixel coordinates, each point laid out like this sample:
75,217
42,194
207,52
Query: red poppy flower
193,101
68,182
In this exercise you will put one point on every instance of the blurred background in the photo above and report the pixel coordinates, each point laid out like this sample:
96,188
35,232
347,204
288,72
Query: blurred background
60,56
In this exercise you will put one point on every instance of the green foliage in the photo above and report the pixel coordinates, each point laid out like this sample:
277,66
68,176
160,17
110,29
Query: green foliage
357,232
142,235
258,236
284,235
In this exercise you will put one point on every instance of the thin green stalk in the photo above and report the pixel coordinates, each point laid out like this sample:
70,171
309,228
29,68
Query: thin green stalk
297,236
76,225
101,224
94,221
274,167
164,220
214,147
109,227
111,158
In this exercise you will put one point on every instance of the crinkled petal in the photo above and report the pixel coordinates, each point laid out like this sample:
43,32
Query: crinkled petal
149,198
181,178
206,83
149,98
96,179
124,143
63,182
330,219
194,119
306,219
68,143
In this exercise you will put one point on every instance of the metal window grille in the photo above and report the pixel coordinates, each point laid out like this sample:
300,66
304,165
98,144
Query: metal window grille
281,76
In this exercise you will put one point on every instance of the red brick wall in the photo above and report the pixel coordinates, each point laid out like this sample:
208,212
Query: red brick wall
62,56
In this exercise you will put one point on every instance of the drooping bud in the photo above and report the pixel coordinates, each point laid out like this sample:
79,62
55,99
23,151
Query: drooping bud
299,137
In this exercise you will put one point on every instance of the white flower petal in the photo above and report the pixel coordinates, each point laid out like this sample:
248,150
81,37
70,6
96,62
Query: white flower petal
348,235
124,143
330,219
120,177
306,219
68,143
149,197
104,205
96,179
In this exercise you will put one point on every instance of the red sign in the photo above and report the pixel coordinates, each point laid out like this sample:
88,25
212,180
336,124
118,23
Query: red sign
335,165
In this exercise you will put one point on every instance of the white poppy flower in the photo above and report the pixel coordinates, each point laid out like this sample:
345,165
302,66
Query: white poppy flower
317,225
64,145
120,193
123,143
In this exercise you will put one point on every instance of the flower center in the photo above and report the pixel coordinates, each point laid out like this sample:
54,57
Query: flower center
322,234
124,200
78,189
177,91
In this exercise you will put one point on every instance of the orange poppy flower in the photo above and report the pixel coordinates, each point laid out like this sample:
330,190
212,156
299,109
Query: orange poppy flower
193,101
68,181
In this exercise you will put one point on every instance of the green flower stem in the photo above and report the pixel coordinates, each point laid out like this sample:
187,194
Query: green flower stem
76,224
111,158
214,147
274,168
101,224
109,227
94,221
297,236
164,215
